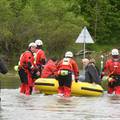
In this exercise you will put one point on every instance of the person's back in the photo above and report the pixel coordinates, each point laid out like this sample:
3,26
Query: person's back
112,67
91,73
50,69
40,57
69,64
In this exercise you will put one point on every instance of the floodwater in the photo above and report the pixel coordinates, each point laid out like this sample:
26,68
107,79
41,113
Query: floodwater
40,107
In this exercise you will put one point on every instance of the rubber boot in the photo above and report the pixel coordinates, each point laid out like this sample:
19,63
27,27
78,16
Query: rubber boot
61,91
117,90
22,88
110,90
27,92
67,91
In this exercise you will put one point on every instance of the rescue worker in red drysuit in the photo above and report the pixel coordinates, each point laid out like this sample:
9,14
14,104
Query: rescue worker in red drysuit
50,69
40,57
112,69
26,67
66,68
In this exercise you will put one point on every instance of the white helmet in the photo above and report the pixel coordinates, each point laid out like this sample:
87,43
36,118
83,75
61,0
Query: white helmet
69,54
38,42
32,44
115,52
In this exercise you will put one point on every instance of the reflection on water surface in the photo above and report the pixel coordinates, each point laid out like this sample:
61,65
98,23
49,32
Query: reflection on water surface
39,107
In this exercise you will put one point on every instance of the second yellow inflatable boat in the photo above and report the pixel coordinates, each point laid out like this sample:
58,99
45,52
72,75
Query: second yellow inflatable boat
50,85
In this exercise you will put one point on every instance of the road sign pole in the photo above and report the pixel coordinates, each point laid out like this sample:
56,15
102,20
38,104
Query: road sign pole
84,51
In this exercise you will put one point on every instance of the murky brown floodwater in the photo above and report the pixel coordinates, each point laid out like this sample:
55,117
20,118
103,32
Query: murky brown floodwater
41,107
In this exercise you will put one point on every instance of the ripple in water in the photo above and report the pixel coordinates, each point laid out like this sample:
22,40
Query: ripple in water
41,107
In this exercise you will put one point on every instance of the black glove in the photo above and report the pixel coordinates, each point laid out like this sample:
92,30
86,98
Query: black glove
29,65
76,80
43,61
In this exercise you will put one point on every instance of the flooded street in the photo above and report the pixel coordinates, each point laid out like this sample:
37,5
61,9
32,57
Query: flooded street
40,107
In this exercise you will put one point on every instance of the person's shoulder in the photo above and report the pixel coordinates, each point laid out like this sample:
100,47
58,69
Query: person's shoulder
50,61
91,65
28,54
60,61
73,60
40,50
25,53
109,60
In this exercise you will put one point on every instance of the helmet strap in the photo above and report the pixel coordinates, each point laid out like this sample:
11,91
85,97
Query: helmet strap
39,47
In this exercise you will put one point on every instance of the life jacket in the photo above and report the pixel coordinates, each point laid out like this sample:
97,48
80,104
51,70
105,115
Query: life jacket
66,64
39,56
25,58
69,64
112,67
50,69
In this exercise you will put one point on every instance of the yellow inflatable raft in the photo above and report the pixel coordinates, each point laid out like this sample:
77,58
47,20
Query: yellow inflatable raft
50,85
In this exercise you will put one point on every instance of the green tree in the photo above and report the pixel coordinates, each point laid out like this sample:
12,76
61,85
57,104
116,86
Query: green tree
102,16
58,26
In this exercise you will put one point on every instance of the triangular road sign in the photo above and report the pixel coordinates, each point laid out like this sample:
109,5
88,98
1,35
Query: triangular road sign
84,37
